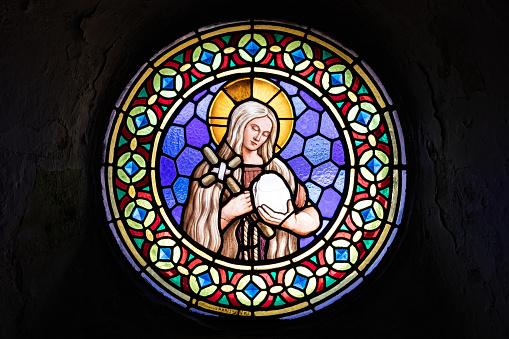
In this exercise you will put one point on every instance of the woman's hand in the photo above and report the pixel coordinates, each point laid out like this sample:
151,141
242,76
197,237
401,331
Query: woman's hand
237,206
274,218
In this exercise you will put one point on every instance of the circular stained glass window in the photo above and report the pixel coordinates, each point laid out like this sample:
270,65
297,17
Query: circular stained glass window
254,169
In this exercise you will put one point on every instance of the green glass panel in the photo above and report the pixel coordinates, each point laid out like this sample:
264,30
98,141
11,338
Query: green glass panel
340,104
232,64
164,108
179,58
326,55
191,256
357,142
383,138
146,146
121,141
230,275
223,300
385,192
176,280
143,93
329,281
272,63
368,243
120,194
360,189
344,228
279,301
193,79
138,242
146,189
278,37
227,38
310,78
313,259
273,275
362,90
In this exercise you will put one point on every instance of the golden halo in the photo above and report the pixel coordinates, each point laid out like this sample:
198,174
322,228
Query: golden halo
240,90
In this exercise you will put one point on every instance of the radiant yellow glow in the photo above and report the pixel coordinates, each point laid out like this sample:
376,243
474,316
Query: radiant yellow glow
241,90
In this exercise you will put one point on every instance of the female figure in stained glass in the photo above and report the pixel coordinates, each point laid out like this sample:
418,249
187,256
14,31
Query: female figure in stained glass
217,220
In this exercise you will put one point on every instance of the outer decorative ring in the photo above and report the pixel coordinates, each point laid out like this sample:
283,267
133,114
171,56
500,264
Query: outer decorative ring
360,230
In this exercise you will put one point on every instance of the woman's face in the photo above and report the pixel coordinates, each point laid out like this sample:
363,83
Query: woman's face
256,133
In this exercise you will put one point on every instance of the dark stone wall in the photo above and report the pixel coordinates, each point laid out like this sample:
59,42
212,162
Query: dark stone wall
64,63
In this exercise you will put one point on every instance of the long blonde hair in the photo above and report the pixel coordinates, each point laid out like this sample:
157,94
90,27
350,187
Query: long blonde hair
201,215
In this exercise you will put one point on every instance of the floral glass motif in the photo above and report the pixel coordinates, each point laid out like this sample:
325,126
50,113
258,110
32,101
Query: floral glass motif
336,131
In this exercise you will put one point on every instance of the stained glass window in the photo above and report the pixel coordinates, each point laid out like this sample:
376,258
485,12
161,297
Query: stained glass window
254,169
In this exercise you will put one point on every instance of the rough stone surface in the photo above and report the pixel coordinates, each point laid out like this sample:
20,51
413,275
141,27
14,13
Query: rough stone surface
63,64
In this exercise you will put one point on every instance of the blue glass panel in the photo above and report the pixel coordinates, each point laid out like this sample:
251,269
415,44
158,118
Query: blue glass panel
139,214
141,120
174,141
324,174
374,165
168,83
299,105
290,89
294,147
301,168
168,196
252,48
165,253
204,280
180,188
338,153
215,88
300,282
199,95
303,242
196,133
341,254
298,55
340,181
317,150
310,101
251,290
307,124
177,213
363,117
368,214
131,168
207,57
167,171
203,107
188,160
336,79
324,225
327,127
313,191
185,114
329,203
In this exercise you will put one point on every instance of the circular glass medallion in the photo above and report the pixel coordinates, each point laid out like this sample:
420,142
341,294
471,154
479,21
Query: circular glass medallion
254,169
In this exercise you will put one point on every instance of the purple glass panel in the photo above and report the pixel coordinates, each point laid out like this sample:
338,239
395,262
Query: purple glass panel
188,160
306,241
167,171
294,147
199,95
329,203
174,141
327,127
196,133
324,225
177,213
215,88
317,150
301,168
338,153
310,101
324,174
203,107
185,114
290,89
168,196
340,181
308,123
299,105
313,191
